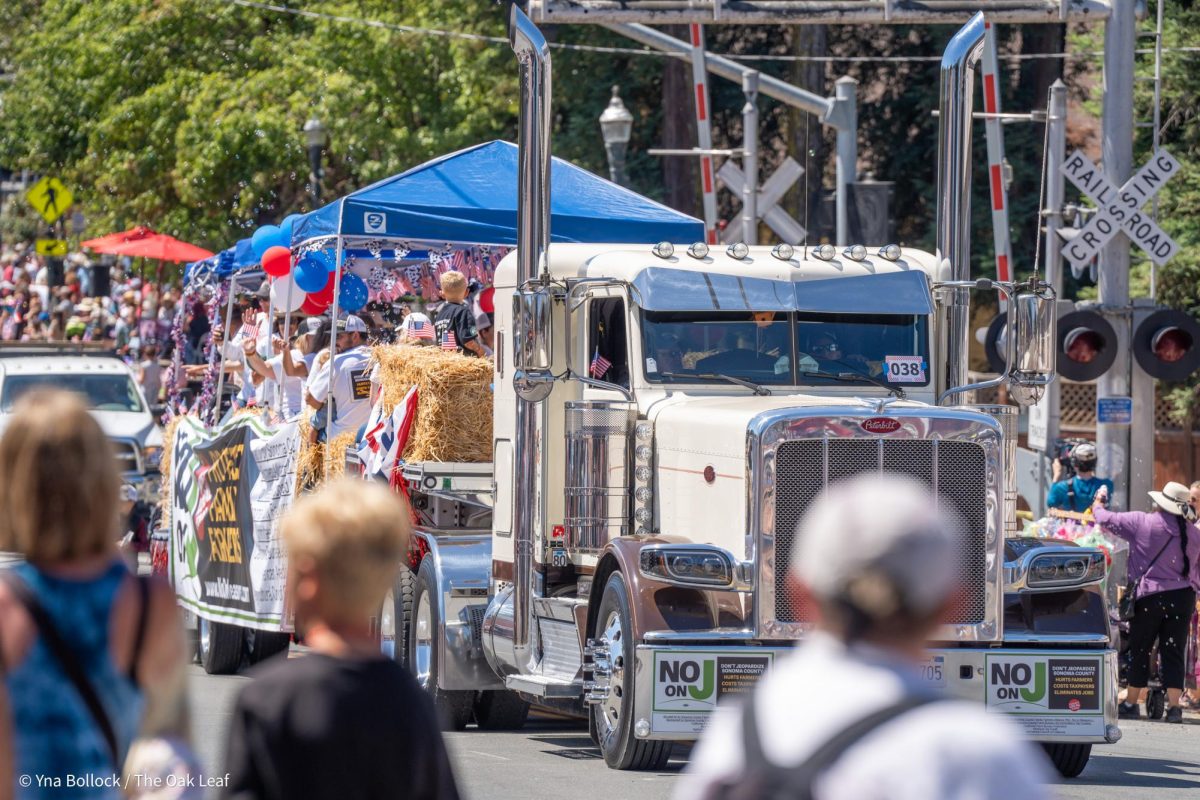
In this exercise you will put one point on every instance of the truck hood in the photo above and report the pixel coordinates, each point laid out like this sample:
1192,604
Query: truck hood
716,424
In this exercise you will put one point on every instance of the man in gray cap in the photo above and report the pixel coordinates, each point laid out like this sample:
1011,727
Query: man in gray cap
847,715
346,379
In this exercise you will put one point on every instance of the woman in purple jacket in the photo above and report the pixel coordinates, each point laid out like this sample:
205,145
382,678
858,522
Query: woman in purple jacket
1164,560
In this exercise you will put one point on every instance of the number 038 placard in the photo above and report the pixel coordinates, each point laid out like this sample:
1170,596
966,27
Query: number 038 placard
904,369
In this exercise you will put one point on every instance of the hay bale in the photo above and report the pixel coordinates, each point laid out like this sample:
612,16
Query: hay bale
454,401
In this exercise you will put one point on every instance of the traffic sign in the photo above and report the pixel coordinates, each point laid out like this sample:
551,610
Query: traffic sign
51,247
1114,410
1118,209
50,198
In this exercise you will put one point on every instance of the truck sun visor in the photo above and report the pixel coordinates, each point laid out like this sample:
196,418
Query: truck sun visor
666,289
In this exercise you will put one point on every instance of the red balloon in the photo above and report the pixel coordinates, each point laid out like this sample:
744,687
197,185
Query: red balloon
326,294
277,261
313,306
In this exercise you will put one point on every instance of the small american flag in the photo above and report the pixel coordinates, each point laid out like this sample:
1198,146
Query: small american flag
599,366
450,342
419,330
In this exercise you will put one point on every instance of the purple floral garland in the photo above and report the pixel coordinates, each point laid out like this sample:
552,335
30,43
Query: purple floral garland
180,340
209,386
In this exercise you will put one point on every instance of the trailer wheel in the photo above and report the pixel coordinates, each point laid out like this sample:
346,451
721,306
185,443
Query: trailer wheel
612,717
454,706
500,710
1068,758
267,644
395,618
220,647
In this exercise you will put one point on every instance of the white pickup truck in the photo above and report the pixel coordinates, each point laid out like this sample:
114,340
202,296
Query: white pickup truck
110,390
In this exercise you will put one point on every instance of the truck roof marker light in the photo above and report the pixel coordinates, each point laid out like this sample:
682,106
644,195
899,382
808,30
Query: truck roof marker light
855,252
697,250
738,250
783,251
825,252
663,250
890,251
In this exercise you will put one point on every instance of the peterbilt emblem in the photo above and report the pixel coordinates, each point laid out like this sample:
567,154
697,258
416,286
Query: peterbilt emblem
880,425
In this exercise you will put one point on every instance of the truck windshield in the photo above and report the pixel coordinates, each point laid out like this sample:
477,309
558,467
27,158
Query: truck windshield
100,392
779,348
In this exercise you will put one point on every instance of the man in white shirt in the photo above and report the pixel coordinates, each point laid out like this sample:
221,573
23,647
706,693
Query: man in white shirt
350,395
877,557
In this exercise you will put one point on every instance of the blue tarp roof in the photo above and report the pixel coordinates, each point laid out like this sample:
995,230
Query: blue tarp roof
470,197
225,263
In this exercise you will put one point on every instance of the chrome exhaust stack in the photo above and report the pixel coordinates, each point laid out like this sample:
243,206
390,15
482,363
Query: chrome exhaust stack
953,220
532,379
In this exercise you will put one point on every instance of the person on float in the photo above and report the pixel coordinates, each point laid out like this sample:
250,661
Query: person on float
1164,566
345,379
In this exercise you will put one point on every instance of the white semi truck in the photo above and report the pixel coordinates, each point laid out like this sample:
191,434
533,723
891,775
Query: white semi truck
664,415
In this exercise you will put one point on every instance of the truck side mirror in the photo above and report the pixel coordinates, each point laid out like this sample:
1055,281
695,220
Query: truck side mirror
531,312
1034,313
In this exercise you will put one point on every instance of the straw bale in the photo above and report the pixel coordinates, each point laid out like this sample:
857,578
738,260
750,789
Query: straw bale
454,401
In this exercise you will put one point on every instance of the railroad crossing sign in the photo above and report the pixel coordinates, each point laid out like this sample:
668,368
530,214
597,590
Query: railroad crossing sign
50,198
1118,209
769,195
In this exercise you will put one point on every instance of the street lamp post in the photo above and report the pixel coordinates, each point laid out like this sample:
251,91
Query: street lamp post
315,137
616,126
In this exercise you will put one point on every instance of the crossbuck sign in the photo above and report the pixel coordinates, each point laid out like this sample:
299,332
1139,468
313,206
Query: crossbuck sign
1118,209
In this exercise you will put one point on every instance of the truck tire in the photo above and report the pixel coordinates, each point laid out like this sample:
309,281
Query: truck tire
1068,758
612,718
267,644
220,647
454,706
500,711
395,619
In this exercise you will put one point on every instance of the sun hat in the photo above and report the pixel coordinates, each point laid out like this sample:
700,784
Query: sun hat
1175,498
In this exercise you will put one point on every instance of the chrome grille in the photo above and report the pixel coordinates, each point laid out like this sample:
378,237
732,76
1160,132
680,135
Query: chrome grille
955,470
127,455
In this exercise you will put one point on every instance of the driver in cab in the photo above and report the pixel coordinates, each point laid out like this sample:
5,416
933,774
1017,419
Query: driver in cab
824,354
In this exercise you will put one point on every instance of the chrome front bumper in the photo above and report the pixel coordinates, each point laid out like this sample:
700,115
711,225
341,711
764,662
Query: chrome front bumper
1072,694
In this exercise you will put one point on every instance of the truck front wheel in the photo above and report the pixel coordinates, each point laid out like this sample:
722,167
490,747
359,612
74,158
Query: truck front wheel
395,618
454,706
220,647
612,715
1068,758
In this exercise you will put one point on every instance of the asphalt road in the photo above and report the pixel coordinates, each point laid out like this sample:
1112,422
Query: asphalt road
1152,761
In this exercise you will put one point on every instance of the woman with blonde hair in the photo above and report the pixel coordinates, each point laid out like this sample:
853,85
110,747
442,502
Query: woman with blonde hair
84,645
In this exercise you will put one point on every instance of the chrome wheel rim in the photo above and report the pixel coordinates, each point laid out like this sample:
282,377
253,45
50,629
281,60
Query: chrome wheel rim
612,706
204,635
387,626
423,641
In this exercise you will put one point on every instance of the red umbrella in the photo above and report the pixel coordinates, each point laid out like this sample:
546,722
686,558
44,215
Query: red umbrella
161,247
104,244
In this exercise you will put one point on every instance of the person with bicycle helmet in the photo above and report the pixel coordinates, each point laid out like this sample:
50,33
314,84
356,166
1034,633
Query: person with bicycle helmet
1077,492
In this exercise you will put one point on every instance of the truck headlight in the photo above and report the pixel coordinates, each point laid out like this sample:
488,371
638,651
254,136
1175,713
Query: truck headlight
152,458
687,565
1065,569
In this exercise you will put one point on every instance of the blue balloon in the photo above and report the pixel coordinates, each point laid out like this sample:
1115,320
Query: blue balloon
353,293
310,274
265,238
288,228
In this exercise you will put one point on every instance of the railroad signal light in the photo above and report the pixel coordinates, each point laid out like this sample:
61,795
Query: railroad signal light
1087,345
1166,343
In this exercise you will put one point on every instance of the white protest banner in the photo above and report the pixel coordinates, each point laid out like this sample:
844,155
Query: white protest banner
229,486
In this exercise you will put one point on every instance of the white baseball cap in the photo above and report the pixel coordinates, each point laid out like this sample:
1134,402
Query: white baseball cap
352,324
879,542
313,324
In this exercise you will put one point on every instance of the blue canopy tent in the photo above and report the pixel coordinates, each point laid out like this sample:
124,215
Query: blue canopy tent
223,264
470,197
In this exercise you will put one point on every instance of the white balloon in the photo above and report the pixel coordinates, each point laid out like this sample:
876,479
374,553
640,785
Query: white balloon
279,294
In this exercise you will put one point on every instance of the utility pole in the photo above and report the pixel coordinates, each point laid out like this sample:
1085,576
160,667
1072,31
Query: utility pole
1120,31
